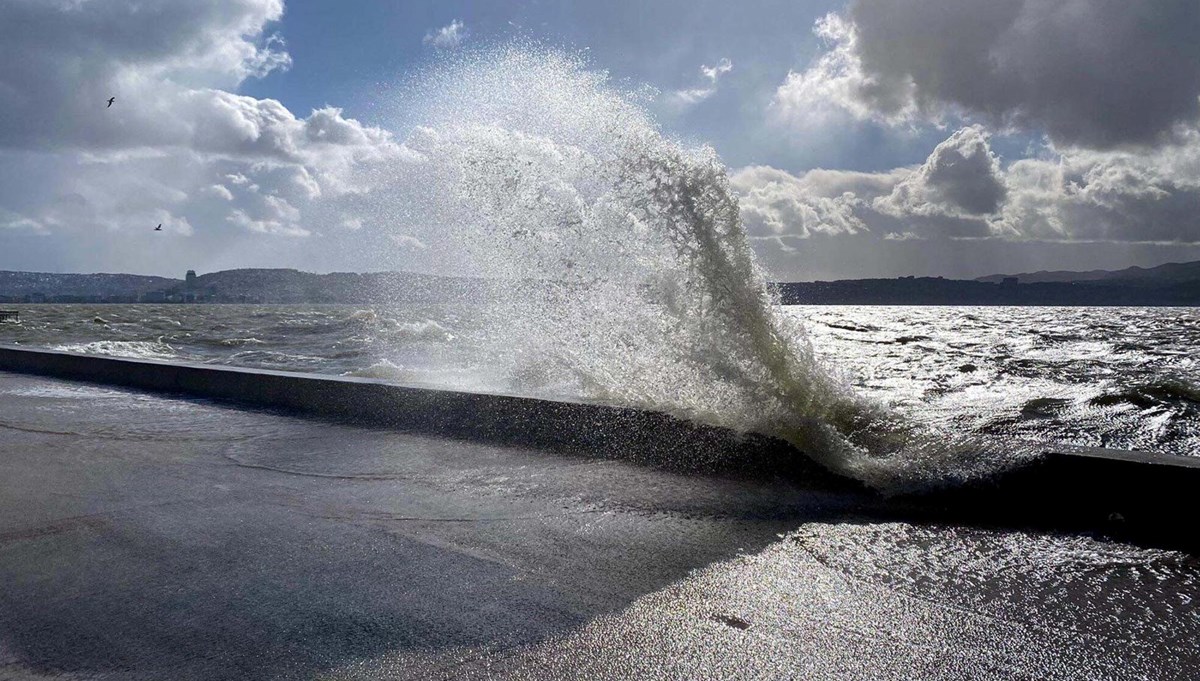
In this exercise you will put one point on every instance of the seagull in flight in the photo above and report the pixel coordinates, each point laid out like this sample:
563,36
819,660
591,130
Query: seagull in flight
110,101
158,228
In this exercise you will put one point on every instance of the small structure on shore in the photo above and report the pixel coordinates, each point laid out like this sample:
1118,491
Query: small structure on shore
10,316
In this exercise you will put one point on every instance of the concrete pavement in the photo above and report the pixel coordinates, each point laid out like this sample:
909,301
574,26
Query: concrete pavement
151,537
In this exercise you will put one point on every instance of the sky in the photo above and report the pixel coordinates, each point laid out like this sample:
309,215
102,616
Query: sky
863,138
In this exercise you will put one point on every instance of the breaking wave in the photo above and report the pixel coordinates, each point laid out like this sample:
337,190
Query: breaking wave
621,266
132,349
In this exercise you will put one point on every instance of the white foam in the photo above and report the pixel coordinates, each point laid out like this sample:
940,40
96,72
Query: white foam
134,349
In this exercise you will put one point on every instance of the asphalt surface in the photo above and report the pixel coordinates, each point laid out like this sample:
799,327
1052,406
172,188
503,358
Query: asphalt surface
151,537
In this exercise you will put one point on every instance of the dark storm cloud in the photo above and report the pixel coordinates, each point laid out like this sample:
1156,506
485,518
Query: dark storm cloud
961,177
1096,73
60,61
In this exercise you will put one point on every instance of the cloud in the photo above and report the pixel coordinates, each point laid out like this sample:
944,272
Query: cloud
69,57
407,242
266,226
446,37
1080,195
963,190
836,84
175,223
775,204
12,221
962,177
1094,74
903,236
220,191
832,203
711,75
179,145
714,73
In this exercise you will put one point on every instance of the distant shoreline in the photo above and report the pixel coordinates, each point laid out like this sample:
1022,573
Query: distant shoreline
952,292
1172,285
785,302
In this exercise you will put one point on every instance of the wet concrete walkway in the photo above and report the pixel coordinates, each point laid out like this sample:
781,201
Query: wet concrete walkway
150,537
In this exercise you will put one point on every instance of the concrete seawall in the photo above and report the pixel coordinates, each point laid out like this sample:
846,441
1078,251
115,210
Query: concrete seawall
1133,495
568,427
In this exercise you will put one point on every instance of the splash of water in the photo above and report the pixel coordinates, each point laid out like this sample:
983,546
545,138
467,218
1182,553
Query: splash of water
621,267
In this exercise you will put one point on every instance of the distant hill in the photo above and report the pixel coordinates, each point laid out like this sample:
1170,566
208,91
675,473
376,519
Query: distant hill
1168,273
1172,284
294,286
232,286
19,284
938,291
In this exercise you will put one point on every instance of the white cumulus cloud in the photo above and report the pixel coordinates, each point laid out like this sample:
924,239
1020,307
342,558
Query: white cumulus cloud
180,144
963,190
775,203
710,76
447,37
220,191
837,84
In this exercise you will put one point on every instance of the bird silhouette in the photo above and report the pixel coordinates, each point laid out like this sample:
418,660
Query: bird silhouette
110,101
158,228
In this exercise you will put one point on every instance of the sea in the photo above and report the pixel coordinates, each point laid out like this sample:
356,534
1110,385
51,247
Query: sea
1126,378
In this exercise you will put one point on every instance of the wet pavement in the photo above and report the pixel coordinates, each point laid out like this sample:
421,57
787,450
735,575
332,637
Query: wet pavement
151,537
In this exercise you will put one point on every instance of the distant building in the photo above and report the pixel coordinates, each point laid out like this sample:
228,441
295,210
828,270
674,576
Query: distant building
190,279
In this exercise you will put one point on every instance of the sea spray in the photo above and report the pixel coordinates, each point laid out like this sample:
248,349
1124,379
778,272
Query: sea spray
619,264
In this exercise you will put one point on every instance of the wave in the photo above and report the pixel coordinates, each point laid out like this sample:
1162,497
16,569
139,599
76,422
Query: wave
428,330
367,321
443,377
1044,407
857,328
385,370
238,342
619,260
363,316
133,349
1152,394
273,359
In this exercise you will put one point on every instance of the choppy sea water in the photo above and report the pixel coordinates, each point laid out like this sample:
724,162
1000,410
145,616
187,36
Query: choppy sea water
1113,377
1125,378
